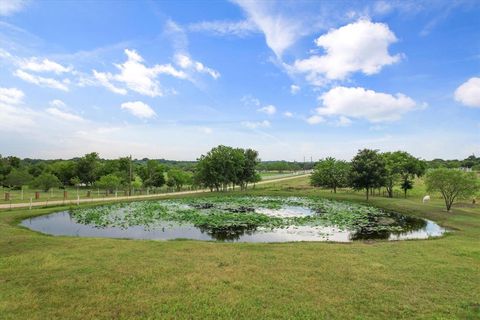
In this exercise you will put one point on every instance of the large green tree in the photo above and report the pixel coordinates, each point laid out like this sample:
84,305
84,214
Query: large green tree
330,173
109,182
46,181
452,184
87,168
18,178
367,170
401,167
152,173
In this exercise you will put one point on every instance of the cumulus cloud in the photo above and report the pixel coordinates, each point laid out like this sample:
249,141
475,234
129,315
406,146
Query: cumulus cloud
255,125
361,46
366,104
185,62
139,109
42,81
270,109
9,7
288,114
469,92
134,75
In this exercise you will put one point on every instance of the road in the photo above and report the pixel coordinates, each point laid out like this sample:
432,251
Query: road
92,200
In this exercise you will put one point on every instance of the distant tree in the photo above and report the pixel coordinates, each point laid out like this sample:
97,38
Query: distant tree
401,167
109,182
367,170
152,173
330,173
178,178
46,181
64,170
18,178
87,168
452,184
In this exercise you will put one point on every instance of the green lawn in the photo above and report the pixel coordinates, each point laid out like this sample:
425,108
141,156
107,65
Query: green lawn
45,277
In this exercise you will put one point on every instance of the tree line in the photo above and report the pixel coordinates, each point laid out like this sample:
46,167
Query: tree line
370,170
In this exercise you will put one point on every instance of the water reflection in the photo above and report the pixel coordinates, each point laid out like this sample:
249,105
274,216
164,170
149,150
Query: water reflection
62,223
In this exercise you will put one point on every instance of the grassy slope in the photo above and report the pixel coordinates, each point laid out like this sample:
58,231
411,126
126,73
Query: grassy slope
59,277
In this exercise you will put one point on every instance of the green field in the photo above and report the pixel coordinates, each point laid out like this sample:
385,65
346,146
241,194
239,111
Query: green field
45,277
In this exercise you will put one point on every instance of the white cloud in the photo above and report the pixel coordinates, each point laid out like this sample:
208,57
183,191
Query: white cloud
343,122
185,62
270,109
237,28
361,46
103,79
255,125
57,103
280,30
250,101
288,114
43,81
45,65
294,89
366,104
469,93
136,76
11,95
8,7
63,115
315,119
139,109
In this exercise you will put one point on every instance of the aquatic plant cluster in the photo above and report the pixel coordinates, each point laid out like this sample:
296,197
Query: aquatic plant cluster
245,212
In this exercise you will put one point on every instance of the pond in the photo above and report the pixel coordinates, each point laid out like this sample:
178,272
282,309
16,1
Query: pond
237,219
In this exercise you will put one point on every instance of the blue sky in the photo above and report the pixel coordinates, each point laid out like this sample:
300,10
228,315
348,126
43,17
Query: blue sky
288,78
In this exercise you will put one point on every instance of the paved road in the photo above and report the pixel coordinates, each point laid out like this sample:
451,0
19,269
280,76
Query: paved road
158,195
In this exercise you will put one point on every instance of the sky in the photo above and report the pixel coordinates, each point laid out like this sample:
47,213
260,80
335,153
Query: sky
291,79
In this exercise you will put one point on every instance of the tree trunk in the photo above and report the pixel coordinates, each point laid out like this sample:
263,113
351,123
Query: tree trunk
405,191
367,193
335,189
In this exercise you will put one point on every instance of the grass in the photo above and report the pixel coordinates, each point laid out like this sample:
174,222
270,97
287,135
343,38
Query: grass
45,277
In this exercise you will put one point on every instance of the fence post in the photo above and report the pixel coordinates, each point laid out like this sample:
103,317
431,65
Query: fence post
78,200
30,203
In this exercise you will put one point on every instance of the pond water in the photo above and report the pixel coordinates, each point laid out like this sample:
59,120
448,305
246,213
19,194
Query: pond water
68,224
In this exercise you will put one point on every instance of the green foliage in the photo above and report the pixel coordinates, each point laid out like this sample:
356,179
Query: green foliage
330,173
46,181
368,170
452,184
223,166
401,167
178,178
109,182
152,173
18,178
87,168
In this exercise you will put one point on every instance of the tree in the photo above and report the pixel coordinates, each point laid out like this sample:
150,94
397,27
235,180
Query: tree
452,184
64,170
401,167
17,178
46,181
367,170
223,166
109,182
330,173
87,168
178,178
152,174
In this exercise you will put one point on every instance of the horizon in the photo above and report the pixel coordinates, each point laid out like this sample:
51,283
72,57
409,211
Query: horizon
171,80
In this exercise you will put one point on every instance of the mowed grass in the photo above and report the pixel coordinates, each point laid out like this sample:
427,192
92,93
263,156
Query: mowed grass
45,277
